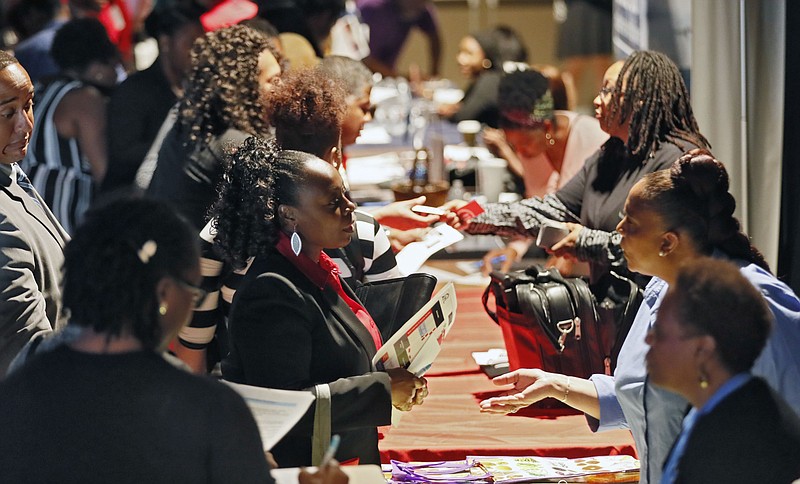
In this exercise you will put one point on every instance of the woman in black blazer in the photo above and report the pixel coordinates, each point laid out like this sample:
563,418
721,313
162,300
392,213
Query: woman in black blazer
711,327
293,324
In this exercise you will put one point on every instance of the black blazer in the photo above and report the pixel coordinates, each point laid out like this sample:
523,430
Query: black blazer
750,436
287,333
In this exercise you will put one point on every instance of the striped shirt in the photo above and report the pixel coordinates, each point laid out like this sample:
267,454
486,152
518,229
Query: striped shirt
55,165
368,257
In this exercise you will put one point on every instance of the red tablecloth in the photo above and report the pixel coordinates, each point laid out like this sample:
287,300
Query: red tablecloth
449,425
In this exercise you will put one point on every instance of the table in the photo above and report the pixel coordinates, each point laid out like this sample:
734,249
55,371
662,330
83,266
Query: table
449,425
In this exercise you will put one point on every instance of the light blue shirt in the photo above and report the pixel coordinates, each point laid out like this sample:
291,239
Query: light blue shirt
654,415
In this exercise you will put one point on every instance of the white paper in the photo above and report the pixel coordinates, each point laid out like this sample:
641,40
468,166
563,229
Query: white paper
363,474
411,258
417,343
275,411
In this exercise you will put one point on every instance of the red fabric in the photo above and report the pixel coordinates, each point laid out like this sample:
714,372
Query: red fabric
326,273
228,12
116,18
450,426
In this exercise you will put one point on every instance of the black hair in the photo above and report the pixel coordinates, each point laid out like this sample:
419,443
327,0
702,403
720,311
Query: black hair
518,95
650,90
260,177
693,196
110,276
501,44
80,42
713,298
170,18
222,89
262,25
27,17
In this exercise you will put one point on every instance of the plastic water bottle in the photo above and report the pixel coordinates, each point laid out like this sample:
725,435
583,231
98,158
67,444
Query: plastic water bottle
456,190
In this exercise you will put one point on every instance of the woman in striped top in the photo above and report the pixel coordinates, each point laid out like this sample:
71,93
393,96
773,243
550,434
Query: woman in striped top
67,157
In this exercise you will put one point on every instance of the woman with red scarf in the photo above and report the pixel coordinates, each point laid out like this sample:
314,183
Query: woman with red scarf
293,324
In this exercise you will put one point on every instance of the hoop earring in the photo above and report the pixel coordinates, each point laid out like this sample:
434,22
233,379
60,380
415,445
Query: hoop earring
297,244
162,309
549,139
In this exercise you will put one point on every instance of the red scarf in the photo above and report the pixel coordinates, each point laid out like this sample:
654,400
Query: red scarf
326,273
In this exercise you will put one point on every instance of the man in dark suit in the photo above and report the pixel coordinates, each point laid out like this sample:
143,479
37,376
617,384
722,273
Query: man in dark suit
31,240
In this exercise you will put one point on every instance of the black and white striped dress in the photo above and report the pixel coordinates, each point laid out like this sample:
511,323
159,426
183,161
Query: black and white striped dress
55,165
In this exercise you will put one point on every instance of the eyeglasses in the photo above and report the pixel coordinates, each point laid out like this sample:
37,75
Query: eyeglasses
198,293
606,90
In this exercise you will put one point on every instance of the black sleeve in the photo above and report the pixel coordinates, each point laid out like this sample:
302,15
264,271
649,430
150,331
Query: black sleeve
480,99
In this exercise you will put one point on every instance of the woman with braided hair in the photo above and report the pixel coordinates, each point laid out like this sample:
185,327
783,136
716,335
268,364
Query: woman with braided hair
644,106
672,218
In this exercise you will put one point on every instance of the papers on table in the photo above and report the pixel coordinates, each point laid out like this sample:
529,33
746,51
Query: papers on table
363,474
275,411
411,258
417,343
508,470
372,170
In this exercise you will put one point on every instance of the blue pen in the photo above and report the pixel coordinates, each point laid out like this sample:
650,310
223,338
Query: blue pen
326,458
499,258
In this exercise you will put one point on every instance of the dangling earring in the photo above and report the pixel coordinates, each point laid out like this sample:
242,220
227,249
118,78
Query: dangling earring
162,309
297,244
703,380
487,64
549,139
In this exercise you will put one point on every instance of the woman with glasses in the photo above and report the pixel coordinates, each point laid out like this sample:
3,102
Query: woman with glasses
644,107
104,401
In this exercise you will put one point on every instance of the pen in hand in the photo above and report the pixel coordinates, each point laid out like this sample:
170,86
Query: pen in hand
332,448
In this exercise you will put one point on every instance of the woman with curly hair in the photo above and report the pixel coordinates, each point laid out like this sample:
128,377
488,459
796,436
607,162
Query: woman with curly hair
294,324
232,68
306,110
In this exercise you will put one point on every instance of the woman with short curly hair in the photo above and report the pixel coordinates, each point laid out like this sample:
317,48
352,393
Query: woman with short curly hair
232,68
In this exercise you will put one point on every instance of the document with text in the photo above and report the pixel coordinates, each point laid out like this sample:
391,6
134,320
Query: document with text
417,343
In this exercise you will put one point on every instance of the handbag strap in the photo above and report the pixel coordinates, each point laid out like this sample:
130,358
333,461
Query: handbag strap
485,302
322,423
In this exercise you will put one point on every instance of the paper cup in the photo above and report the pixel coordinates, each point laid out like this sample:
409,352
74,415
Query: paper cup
469,130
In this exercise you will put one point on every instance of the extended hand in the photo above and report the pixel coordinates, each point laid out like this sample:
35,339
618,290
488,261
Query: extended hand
507,256
328,474
530,386
398,215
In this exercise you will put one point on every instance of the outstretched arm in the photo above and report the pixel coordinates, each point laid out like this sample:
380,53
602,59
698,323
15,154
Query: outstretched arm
531,385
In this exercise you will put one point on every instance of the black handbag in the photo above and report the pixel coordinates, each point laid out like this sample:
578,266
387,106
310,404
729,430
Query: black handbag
392,301
555,323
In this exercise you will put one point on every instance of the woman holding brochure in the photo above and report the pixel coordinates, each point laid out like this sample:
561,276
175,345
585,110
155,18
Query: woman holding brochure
293,324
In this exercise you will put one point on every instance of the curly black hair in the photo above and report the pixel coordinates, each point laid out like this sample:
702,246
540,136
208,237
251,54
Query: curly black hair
260,177
80,42
108,285
223,90
307,110
657,102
